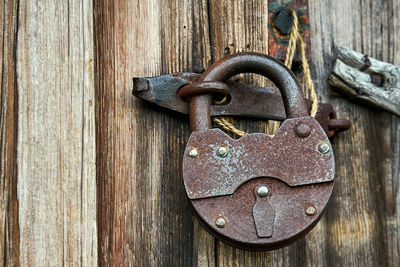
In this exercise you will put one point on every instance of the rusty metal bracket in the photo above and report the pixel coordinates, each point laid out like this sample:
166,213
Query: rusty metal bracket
265,103
279,26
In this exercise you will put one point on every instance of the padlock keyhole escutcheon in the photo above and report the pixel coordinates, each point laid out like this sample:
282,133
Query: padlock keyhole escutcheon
256,192
263,212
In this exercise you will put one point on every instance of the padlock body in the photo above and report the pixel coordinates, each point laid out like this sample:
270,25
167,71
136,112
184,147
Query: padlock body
222,187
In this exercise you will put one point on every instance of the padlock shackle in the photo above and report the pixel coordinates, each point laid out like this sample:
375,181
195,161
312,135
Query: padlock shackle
223,69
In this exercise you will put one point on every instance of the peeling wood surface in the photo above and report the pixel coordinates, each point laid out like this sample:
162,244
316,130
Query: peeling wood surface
378,84
56,134
143,214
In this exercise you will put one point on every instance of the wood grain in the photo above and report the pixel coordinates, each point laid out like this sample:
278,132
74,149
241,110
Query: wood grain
143,216
362,220
358,85
56,131
9,229
47,134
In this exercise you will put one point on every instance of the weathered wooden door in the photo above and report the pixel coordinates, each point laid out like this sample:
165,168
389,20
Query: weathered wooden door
90,175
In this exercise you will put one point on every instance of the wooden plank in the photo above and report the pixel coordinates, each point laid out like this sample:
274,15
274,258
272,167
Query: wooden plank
9,230
143,215
361,223
238,26
56,134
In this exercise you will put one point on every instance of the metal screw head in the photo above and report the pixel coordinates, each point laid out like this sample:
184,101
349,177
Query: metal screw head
262,191
324,147
310,210
222,151
302,130
220,222
193,152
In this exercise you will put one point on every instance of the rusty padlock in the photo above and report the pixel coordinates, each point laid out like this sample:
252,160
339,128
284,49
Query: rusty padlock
259,192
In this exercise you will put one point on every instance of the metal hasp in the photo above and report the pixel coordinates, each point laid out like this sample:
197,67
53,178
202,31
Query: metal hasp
265,103
259,192
280,24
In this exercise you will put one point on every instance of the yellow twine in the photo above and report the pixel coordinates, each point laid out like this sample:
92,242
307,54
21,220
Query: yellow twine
227,126
295,37
294,40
